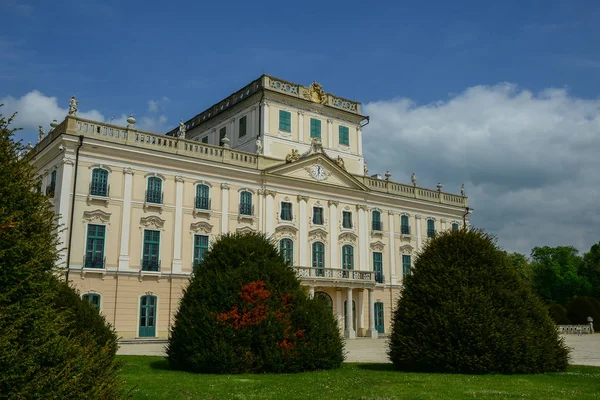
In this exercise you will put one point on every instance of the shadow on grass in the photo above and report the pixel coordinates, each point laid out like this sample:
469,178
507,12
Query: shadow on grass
376,367
162,364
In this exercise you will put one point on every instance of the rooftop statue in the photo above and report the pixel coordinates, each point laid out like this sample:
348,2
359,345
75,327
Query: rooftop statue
181,133
73,106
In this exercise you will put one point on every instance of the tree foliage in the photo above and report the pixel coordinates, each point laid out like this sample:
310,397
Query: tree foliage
245,311
466,309
591,270
558,314
44,353
583,307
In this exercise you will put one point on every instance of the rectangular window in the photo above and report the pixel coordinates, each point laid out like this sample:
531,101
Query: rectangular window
242,127
376,221
93,298
406,265
286,211
246,203
150,256
378,266
315,128
454,227
52,186
204,140
344,136
347,219
285,121
94,253
404,227
222,135
200,248
318,215
430,228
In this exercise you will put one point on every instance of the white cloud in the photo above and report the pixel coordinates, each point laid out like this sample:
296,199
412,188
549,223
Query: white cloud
529,160
155,106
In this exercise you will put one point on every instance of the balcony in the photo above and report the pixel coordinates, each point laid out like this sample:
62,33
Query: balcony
95,261
335,277
99,189
150,264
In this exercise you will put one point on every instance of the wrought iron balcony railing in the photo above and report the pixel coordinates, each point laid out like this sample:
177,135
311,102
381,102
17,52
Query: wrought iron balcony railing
94,261
246,209
99,189
150,264
154,196
202,203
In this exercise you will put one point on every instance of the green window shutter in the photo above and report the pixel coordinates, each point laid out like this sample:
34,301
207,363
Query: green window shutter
285,121
347,219
202,197
318,259
151,250
154,192
317,215
93,298
246,203
378,266
376,221
379,324
344,135
454,226
315,128
286,211
430,228
204,139
99,185
94,254
404,227
347,257
242,126
200,248
406,265
286,248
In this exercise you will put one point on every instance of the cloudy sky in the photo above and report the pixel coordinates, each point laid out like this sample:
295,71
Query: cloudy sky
504,98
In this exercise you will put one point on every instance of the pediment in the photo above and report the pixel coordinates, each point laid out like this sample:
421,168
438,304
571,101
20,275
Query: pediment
318,169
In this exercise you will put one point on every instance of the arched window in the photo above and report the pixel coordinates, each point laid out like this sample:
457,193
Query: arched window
404,227
347,257
93,298
246,203
318,257
286,248
154,192
325,298
430,228
202,197
376,221
99,184
454,227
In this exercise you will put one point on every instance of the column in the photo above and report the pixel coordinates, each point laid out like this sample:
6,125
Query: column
392,249
260,209
232,135
418,231
372,332
63,200
265,117
339,305
360,311
177,230
270,209
126,220
349,331
311,292
300,126
359,140
330,133
303,235
363,235
253,122
333,233
224,208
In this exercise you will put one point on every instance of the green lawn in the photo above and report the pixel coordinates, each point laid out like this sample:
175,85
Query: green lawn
153,380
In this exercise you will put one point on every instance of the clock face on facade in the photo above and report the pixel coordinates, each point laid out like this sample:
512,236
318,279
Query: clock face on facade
318,172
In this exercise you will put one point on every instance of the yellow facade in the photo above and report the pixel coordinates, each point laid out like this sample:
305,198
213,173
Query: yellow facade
275,169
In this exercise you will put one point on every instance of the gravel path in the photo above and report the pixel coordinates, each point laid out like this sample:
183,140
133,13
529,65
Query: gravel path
585,349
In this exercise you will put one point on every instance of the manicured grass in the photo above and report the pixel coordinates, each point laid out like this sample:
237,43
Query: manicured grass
154,380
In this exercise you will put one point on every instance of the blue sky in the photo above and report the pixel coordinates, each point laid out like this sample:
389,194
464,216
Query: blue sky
421,70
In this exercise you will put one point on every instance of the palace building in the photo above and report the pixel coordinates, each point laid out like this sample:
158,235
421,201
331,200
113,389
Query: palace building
138,210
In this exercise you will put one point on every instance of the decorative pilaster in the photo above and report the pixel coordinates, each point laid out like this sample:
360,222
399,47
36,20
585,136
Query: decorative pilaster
442,224
333,233
260,193
253,122
232,128
372,332
363,237
360,314
330,133
224,208
339,305
300,126
359,135
392,251
303,245
418,226
349,332
177,229
265,117
63,205
271,212
126,220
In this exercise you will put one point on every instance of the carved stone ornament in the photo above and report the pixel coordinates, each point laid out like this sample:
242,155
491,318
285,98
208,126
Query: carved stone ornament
245,229
406,249
152,220
286,230
225,186
316,93
377,246
73,106
96,215
333,202
318,234
179,178
293,156
201,227
302,198
340,162
348,237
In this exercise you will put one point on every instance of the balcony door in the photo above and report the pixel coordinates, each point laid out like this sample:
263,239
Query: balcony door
147,316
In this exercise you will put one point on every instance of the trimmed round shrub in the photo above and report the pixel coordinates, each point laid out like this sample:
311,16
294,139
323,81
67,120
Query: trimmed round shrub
558,314
465,309
582,307
244,311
